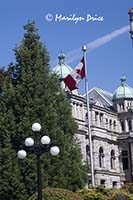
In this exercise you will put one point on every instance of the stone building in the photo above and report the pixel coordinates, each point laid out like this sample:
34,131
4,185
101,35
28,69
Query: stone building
111,123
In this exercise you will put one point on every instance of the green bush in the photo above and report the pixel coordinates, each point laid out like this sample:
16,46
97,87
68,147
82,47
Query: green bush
102,193
120,196
92,194
128,187
57,194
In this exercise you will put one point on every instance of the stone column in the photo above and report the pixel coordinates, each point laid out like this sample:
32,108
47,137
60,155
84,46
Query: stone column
132,123
93,117
104,121
77,110
73,109
98,120
126,126
125,105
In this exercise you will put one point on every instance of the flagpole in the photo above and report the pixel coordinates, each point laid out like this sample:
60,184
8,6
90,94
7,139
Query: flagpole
88,119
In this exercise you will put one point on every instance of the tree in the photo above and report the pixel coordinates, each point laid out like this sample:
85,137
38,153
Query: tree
32,93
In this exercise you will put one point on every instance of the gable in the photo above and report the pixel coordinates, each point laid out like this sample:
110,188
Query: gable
100,97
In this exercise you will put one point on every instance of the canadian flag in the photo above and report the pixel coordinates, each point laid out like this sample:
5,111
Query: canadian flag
73,79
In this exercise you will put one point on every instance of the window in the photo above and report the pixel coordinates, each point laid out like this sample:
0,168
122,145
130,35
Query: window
112,159
110,123
121,105
125,159
101,117
114,184
81,111
101,157
87,150
129,103
102,182
106,123
122,126
96,116
86,115
114,125
129,125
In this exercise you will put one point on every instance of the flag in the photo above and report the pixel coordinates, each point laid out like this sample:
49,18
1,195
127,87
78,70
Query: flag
73,79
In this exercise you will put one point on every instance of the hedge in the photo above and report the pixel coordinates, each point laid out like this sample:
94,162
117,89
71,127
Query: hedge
57,194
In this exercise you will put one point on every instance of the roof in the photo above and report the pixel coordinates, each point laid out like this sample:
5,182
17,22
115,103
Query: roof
123,91
100,95
62,69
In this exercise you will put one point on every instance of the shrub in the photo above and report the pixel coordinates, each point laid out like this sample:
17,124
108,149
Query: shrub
57,194
92,194
128,187
120,196
102,193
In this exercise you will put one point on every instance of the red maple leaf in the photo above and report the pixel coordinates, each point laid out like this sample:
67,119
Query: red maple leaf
78,71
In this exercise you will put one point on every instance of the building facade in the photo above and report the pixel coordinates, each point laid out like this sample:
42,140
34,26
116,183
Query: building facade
111,124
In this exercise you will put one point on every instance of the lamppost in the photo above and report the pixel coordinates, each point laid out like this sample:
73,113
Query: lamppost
130,12
34,146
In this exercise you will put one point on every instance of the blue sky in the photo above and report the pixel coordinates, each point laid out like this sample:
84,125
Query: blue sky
105,64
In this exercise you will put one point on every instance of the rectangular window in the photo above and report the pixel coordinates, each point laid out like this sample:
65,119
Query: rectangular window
101,117
130,125
102,182
114,184
96,116
125,159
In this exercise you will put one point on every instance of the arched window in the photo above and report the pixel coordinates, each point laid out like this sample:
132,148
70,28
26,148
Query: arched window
81,111
96,116
101,157
77,110
114,125
110,124
101,117
106,123
112,159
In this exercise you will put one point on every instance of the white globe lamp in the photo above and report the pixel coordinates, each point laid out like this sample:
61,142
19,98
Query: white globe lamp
29,142
45,140
54,151
22,154
36,127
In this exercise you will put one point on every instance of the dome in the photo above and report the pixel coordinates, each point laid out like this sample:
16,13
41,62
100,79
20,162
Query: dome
123,91
62,69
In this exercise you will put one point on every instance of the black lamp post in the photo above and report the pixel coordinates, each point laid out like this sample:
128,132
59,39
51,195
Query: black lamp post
130,12
34,146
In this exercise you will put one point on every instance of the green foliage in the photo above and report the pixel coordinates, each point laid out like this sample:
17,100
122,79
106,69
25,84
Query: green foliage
91,194
31,93
101,193
119,194
94,196
128,187
57,194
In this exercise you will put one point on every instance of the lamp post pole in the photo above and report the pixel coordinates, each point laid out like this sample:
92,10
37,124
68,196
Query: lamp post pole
130,12
33,146
39,177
